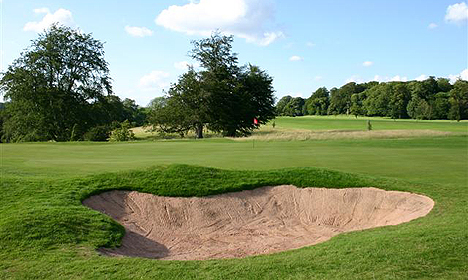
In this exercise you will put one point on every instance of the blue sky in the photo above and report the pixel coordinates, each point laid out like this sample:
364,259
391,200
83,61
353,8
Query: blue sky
304,45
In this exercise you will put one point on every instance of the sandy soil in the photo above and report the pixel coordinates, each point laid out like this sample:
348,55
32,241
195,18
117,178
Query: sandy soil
251,222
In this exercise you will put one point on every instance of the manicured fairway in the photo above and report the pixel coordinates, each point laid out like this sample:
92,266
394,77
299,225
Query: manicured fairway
45,232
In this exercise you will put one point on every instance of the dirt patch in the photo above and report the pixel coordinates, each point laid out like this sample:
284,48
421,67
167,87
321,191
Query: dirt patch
251,222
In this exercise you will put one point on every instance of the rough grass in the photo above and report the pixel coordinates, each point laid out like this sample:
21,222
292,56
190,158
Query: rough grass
269,134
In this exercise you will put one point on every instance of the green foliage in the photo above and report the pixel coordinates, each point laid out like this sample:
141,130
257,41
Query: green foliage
428,100
459,100
183,109
291,106
318,102
122,133
340,99
222,97
60,88
98,133
52,87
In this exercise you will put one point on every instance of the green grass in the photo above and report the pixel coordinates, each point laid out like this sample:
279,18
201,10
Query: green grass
343,122
45,232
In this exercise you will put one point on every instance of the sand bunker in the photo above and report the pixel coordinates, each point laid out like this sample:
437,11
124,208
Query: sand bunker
251,222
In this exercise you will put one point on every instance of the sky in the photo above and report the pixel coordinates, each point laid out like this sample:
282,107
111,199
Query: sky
302,44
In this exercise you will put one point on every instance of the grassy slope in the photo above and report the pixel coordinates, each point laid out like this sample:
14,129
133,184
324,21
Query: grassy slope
45,232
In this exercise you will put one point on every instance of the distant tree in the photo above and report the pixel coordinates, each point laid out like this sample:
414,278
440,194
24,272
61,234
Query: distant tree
356,105
398,101
441,106
340,100
53,86
444,85
294,107
135,114
318,102
377,101
459,100
281,105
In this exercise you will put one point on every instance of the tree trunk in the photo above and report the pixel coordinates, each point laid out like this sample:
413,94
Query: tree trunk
199,131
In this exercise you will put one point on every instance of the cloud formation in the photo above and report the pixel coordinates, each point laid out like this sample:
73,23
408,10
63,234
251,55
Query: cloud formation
154,81
245,19
295,58
463,76
421,77
136,31
61,16
432,25
457,13
367,63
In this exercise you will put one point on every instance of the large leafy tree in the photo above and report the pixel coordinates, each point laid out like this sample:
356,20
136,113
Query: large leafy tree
183,109
52,87
222,96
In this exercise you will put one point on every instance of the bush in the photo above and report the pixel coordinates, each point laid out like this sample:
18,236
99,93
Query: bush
122,133
98,133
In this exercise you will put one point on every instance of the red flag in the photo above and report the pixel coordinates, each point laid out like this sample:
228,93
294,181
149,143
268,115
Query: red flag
255,121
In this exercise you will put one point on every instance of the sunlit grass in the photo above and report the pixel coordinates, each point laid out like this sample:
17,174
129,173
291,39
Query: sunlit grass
45,232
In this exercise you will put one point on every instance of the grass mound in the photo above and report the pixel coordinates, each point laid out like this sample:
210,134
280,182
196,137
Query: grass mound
45,231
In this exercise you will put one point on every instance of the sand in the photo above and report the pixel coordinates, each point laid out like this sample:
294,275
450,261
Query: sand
251,222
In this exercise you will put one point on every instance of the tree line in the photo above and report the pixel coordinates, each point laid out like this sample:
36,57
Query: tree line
59,89
426,100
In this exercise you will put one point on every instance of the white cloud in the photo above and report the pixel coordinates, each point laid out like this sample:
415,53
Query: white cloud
138,31
60,16
156,80
318,78
463,76
432,25
367,63
181,65
268,38
355,79
421,77
242,18
397,78
295,58
457,13
310,44
42,11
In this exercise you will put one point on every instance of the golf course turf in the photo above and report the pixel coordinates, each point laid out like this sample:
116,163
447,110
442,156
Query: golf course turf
46,232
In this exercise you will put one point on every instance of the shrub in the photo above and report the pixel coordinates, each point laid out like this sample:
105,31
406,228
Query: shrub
122,133
97,133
